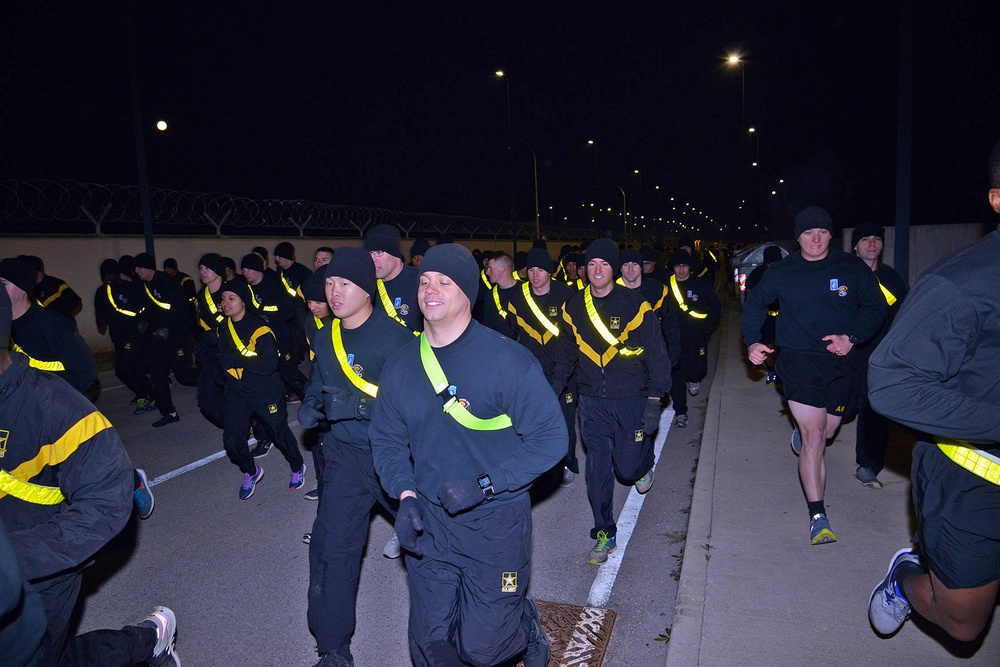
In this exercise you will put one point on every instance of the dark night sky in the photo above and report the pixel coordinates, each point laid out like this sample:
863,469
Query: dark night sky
397,105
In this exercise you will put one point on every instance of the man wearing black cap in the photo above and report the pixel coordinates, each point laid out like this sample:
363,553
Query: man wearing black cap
277,307
211,380
164,320
291,275
186,282
872,428
535,314
460,448
417,252
396,283
500,271
46,339
700,311
350,354
772,254
314,291
51,292
117,307
248,354
698,268
658,296
829,301
622,371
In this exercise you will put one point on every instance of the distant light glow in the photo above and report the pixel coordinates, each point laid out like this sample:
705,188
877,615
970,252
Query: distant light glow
161,125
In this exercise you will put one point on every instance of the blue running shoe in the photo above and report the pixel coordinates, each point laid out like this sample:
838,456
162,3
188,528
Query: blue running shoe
298,478
820,531
605,545
142,497
888,609
140,406
250,483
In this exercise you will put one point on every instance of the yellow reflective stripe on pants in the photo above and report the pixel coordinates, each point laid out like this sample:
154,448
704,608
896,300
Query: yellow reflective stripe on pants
979,463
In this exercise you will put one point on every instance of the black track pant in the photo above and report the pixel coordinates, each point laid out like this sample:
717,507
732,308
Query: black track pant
130,368
239,408
166,356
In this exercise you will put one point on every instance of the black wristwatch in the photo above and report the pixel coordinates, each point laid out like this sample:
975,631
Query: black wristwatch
486,484
854,339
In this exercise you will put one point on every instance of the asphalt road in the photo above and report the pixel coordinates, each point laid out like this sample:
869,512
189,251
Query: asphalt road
236,572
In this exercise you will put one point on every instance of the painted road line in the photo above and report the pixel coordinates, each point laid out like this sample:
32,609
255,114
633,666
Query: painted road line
600,591
197,464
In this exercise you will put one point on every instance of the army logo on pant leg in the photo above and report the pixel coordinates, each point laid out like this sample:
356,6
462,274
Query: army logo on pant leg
273,408
508,582
639,435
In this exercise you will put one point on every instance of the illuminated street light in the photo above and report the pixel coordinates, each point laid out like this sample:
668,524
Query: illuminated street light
161,125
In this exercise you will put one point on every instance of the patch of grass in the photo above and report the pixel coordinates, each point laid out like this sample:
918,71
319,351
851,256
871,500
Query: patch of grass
675,574
664,636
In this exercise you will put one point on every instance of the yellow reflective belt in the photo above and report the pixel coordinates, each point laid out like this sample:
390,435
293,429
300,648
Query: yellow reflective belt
452,406
54,366
341,353
608,337
979,463
890,298
680,300
52,455
111,298
496,300
62,288
161,304
539,315
28,492
390,310
288,288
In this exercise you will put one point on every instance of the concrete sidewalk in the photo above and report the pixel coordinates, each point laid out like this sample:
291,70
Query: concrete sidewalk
753,590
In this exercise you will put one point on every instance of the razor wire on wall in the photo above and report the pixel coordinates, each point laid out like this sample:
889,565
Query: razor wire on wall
70,207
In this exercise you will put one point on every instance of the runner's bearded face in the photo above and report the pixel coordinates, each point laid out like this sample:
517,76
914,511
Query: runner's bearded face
441,300
344,297
815,243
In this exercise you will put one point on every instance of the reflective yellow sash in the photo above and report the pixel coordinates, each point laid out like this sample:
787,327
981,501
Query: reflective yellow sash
390,310
496,300
446,391
54,366
539,315
244,350
608,337
248,350
288,288
486,281
161,304
28,492
257,304
979,463
349,372
680,300
111,298
890,298
206,294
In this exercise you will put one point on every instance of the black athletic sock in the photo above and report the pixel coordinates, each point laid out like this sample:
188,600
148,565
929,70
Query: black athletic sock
816,507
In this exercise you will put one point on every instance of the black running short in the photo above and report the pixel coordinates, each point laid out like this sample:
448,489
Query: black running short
957,514
822,381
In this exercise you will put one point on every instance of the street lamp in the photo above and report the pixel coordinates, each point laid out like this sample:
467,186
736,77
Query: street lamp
596,179
534,165
510,151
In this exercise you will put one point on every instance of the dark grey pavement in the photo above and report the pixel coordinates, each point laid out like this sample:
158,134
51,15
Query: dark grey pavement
753,590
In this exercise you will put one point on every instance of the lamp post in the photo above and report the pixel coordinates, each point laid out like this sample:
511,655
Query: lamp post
510,150
591,142
534,165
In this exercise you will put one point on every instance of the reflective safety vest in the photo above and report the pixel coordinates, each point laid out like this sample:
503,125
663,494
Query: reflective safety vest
248,350
448,392
390,310
675,288
121,311
15,482
345,364
54,366
496,300
978,462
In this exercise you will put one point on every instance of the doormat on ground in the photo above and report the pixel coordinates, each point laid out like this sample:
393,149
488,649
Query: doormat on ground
579,635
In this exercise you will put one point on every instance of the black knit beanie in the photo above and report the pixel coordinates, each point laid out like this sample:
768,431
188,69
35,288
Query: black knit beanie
605,249
6,317
866,229
419,248
384,238
812,218
17,271
109,267
456,262
314,287
145,261
126,265
632,255
539,258
285,250
214,262
680,257
355,265
253,261
240,288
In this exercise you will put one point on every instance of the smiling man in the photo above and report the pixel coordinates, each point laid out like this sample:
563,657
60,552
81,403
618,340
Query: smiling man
829,302
464,423
396,283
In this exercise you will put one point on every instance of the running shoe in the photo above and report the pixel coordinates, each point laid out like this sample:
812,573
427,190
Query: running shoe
163,620
298,478
868,477
392,548
140,406
172,418
261,449
250,483
150,405
645,483
888,608
142,497
539,646
796,441
772,379
567,476
681,421
605,545
312,495
819,530
694,388
307,538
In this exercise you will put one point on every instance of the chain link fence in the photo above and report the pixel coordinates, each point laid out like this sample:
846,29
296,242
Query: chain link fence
70,207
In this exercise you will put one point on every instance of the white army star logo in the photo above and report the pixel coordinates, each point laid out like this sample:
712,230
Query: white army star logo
508,582
616,323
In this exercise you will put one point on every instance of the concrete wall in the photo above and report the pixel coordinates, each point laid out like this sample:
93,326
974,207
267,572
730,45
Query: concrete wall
78,260
928,244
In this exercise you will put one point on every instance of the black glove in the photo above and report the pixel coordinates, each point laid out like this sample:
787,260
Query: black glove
162,333
458,495
210,338
309,417
142,327
651,416
228,360
409,522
